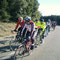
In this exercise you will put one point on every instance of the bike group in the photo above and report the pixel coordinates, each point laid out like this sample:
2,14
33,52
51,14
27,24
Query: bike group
30,34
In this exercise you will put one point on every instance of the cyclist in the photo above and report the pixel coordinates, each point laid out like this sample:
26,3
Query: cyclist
29,26
53,25
20,21
48,25
18,30
43,26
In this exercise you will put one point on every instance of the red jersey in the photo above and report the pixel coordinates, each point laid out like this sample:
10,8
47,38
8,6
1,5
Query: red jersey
21,23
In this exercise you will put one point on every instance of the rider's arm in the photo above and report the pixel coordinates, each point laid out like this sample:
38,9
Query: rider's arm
32,28
23,27
17,25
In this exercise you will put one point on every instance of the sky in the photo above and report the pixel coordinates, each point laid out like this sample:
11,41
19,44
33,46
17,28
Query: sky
49,7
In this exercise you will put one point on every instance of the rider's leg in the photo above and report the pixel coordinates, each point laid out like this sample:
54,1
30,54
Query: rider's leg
19,32
33,39
41,34
46,30
24,32
19,29
27,41
32,46
38,32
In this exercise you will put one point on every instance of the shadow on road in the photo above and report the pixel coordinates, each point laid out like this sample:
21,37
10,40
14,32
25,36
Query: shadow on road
7,48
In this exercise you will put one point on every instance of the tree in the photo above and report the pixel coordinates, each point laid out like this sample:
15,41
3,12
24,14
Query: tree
52,18
4,16
11,9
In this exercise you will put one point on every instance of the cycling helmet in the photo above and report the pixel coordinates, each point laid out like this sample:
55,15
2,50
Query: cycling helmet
21,18
42,20
28,19
36,20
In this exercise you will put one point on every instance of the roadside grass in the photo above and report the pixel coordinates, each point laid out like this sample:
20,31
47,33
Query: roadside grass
5,28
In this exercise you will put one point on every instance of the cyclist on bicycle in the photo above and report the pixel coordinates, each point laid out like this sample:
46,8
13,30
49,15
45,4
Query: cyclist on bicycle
20,21
29,26
53,25
43,26
48,25
18,30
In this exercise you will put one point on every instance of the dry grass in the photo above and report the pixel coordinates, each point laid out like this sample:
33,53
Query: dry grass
5,28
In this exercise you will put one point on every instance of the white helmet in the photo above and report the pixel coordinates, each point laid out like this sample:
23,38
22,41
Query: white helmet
28,18
21,18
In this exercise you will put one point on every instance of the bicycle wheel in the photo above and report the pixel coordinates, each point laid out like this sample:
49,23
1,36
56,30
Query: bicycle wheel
13,44
19,52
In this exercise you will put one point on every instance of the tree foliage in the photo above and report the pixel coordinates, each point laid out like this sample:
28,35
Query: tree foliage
52,18
10,10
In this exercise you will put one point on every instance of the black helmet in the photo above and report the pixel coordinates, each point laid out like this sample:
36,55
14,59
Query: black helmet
42,20
36,20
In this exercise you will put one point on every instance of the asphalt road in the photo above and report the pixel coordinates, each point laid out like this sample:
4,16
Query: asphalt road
50,50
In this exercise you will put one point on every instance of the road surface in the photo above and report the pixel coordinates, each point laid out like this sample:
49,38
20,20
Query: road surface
50,50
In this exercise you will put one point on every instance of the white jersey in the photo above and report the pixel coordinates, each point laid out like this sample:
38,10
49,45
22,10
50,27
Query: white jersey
48,23
29,27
